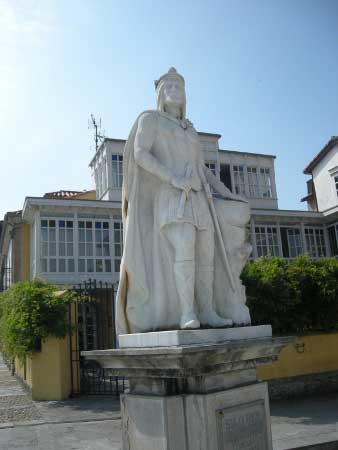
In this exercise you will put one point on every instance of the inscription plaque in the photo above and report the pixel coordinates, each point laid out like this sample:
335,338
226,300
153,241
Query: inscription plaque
242,427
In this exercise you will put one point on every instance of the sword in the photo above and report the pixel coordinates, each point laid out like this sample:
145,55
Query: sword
219,234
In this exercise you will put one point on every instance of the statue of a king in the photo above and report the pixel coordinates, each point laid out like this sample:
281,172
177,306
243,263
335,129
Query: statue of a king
184,248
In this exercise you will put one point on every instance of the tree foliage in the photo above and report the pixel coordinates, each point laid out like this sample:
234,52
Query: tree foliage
29,312
294,297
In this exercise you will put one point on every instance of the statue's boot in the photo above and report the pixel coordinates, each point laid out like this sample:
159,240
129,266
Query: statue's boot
204,293
184,272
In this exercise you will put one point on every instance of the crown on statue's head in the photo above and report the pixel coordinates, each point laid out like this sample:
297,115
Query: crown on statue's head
172,73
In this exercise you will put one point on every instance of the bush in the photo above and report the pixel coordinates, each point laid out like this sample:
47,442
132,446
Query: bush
29,312
294,297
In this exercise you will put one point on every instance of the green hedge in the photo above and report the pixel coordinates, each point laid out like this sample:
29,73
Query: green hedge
294,297
29,312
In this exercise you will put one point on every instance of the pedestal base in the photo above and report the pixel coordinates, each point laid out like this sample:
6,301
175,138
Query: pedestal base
193,337
194,390
228,420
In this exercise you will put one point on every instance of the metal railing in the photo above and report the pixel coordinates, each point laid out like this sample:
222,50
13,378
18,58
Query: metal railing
93,319
6,278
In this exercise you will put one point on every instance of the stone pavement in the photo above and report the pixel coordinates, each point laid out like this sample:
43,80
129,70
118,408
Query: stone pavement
15,403
93,423
306,423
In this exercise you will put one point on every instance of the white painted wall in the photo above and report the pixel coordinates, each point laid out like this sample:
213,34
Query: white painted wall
323,177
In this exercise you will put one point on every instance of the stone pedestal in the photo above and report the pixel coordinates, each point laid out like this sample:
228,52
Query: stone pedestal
201,393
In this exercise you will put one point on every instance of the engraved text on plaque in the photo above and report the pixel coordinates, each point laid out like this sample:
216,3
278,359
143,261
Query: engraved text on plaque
242,427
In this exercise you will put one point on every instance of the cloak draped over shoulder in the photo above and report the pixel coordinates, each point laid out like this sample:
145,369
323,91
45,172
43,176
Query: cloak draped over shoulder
147,299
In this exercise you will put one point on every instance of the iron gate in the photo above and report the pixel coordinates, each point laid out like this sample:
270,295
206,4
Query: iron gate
93,328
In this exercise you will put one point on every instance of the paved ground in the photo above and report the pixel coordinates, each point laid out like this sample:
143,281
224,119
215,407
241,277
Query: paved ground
78,424
15,404
94,423
304,422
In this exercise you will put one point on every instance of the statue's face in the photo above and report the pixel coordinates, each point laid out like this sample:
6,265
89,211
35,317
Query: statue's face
173,92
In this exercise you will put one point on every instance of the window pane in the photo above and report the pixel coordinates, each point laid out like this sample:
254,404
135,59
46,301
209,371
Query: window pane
69,249
62,265
99,265
82,250
69,235
62,223
44,249
105,235
71,267
117,250
62,249
107,265
52,223
89,249
52,234
117,236
98,249
106,250
117,263
98,235
82,265
62,235
43,265
52,265
89,235
69,224
90,265
52,249
44,234
81,235
44,223
81,224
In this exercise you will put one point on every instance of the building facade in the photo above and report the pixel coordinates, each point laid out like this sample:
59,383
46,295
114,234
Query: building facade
67,237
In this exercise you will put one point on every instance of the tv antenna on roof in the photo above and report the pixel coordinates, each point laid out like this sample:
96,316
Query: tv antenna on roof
99,133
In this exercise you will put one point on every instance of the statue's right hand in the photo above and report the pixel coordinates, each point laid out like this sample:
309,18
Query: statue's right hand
181,183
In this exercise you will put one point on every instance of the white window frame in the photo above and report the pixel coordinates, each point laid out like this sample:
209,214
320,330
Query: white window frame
91,251
315,241
50,250
267,242
117,244
117,170
239,179
294,247
335,180
253,182
265,186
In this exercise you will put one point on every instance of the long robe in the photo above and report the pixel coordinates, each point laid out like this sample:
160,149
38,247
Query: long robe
147,299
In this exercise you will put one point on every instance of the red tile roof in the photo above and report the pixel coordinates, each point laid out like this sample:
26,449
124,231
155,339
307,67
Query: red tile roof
63,194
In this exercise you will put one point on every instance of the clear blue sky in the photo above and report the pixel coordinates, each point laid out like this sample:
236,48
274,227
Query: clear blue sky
263,73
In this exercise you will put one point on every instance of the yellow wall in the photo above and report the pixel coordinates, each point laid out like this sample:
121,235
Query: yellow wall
308,354
20,369
25,252
47,373
51,370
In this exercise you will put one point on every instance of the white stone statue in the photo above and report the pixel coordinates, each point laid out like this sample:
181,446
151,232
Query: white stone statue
183,248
